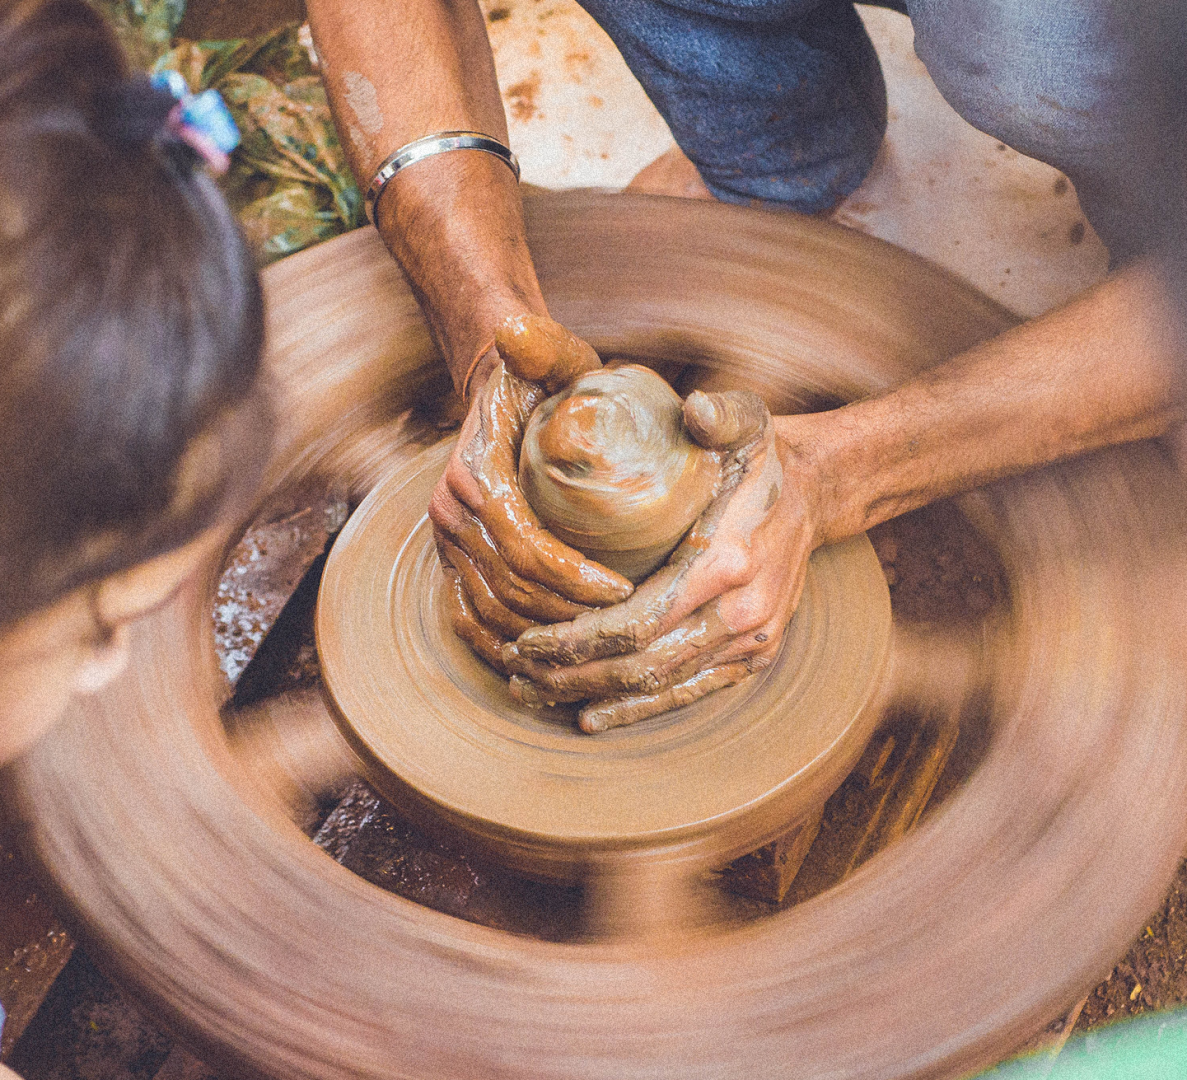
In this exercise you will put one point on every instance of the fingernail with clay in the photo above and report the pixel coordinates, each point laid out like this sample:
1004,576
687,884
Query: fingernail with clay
594,719
524,691
529,650
510,656
540,643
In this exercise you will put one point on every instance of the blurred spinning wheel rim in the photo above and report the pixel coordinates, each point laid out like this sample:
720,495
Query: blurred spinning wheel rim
939,955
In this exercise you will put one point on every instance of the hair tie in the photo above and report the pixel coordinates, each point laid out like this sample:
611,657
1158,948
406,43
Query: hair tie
162,110
201,121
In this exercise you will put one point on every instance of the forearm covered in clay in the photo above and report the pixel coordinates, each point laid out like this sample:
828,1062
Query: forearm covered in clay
397,70
1097,372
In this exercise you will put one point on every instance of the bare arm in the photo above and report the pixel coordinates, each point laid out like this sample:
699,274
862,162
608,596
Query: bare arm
1096,372
397,70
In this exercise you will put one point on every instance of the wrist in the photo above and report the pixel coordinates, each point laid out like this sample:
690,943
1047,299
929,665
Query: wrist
802,454
454,223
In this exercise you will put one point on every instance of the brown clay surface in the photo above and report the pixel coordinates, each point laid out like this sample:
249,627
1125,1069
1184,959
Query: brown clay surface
939,571
609,467
942,940
87,1028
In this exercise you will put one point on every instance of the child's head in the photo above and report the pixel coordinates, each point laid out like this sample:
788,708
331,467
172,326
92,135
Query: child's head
130,331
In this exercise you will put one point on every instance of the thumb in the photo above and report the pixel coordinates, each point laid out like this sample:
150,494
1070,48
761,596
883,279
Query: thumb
726,420
540,350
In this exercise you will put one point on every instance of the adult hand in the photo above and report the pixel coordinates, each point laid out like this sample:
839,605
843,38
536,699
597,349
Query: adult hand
506,572
715,612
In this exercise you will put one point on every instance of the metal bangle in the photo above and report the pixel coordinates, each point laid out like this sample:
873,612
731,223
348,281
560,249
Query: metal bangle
440,143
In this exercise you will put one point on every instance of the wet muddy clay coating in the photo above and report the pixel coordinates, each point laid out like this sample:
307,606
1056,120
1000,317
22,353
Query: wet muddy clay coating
610,468
184,870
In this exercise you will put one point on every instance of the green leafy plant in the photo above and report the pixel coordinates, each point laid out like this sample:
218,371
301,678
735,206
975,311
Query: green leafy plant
289,182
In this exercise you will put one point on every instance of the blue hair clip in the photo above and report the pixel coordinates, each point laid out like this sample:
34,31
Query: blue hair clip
202,121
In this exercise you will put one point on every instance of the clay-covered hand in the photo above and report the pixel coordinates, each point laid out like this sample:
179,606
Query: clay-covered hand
506,572
714,613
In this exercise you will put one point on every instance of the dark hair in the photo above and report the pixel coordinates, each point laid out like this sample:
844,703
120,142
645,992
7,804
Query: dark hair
131,320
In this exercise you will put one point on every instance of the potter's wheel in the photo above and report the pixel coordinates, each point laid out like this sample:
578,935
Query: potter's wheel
706,783
164,821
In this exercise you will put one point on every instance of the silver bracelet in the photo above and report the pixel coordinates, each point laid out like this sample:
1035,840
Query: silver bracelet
440,143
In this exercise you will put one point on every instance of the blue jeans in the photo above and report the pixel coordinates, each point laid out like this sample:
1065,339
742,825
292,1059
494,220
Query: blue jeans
782,101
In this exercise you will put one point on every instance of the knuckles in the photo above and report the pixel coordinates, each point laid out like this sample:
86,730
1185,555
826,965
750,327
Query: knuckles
731,567
442,505
747,612
456,476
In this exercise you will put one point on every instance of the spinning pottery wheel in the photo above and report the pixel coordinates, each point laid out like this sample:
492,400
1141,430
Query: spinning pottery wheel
667,798
163,825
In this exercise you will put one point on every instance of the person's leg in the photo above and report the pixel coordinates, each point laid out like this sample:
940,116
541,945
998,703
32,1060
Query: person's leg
1088,87
780,101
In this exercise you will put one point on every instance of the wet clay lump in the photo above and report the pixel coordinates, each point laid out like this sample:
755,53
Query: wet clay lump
610,468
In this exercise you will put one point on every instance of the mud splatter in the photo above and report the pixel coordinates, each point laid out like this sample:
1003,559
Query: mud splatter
521,98
578,63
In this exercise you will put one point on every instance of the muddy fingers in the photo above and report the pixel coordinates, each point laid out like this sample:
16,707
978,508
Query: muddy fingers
492,493
542,351
483,641
611,631
711,559
490,610
603,715
527,598
669,659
